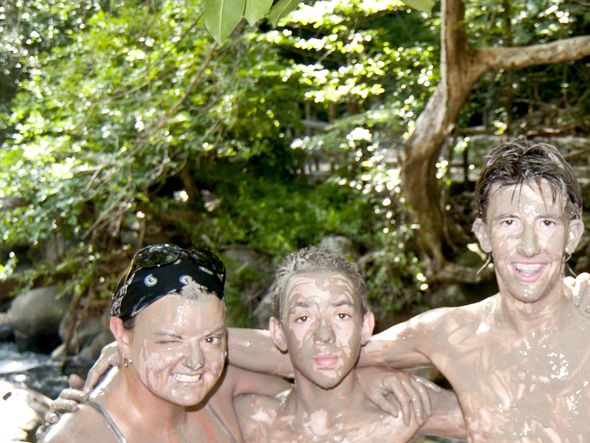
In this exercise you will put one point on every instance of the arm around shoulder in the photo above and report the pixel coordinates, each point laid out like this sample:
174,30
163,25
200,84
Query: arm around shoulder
245,382
407,344
447,418
253,349
81,426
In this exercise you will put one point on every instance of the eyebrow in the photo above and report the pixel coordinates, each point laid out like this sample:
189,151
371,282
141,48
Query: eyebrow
513,215
298,305
343,303
336,304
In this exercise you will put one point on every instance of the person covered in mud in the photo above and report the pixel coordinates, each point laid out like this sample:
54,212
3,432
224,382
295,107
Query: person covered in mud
321,320
516,360
168,318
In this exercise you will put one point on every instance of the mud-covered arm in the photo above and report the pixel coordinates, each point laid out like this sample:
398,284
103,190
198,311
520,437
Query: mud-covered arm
244,382
577,290
405,345
253,349
394,390
446,419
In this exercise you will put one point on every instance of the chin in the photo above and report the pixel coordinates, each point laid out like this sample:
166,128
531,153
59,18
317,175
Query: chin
326,381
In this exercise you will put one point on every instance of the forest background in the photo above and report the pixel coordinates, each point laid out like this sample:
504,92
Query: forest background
357,124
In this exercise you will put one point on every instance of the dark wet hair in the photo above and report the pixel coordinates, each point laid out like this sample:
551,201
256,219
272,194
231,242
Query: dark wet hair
522,161
314,259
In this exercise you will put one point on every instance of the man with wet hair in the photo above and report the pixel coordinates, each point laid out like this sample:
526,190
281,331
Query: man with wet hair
514,359
321,319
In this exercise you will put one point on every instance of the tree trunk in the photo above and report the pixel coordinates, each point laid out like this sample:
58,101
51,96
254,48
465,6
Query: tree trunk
461,67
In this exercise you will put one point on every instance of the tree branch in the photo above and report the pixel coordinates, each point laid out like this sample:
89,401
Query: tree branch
559,51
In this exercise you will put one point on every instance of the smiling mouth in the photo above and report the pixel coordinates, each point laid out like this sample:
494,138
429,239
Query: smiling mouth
187,378
528,271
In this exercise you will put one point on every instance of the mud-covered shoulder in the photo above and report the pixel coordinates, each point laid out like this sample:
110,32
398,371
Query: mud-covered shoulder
83,426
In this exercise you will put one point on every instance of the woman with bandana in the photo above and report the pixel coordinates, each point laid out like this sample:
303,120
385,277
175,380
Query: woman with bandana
168,318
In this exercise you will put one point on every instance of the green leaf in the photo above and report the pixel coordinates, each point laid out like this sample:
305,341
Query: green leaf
420,5
256,9
222,16
281,9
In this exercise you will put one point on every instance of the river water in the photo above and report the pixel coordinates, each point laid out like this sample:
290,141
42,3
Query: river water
37,371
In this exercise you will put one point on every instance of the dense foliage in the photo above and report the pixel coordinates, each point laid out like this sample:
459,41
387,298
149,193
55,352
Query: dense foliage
126,123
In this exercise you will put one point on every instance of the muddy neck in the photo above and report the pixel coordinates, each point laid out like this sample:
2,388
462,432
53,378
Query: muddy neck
339,402
549,312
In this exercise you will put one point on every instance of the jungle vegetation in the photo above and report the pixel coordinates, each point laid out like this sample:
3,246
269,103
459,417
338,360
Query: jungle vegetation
125,122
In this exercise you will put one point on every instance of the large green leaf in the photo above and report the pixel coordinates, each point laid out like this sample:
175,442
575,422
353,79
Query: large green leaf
281,9
256,9
222,16
420,5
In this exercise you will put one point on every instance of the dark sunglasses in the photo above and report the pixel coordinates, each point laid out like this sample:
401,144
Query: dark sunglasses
166,254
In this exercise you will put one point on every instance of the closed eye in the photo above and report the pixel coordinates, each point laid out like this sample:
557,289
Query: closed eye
166,342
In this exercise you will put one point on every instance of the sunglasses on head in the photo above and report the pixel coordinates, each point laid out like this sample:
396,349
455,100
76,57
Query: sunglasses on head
166,254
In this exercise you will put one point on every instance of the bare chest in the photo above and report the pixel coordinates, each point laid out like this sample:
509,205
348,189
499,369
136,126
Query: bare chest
374,429
532,388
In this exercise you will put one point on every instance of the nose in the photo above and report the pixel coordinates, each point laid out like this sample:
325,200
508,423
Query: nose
324,333
529,242
194,356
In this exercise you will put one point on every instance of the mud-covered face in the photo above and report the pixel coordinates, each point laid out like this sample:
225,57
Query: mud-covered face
322,327
178,347
528,233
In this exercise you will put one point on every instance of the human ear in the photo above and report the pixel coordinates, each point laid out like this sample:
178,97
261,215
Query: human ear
574,234
481,233
277,334
367,328
122,335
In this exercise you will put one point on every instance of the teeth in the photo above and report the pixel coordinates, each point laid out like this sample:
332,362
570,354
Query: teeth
186,378
527,268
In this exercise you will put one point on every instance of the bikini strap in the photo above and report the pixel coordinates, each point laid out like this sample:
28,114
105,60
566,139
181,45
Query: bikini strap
220,422
110,422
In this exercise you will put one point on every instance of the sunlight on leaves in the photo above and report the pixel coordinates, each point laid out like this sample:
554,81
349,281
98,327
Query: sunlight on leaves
420,5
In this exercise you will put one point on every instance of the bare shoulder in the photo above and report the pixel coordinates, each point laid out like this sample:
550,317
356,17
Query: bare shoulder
473,312
85,425
436,320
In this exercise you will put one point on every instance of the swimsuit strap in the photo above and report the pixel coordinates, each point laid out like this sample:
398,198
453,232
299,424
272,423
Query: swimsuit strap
110,422
220,422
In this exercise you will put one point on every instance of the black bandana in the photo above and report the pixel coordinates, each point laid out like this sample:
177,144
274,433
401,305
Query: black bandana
147,285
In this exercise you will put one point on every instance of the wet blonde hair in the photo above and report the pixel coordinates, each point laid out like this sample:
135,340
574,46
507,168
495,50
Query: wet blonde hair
314,259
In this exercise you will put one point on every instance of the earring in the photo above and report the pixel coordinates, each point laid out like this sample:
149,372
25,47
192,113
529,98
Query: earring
484,266
568,268
127,361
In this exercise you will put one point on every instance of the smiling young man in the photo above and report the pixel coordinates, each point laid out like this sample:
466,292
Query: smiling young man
519,360
321,318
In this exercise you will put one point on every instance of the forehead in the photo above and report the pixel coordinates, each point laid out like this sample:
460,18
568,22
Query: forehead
330,286
187,314
525,198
